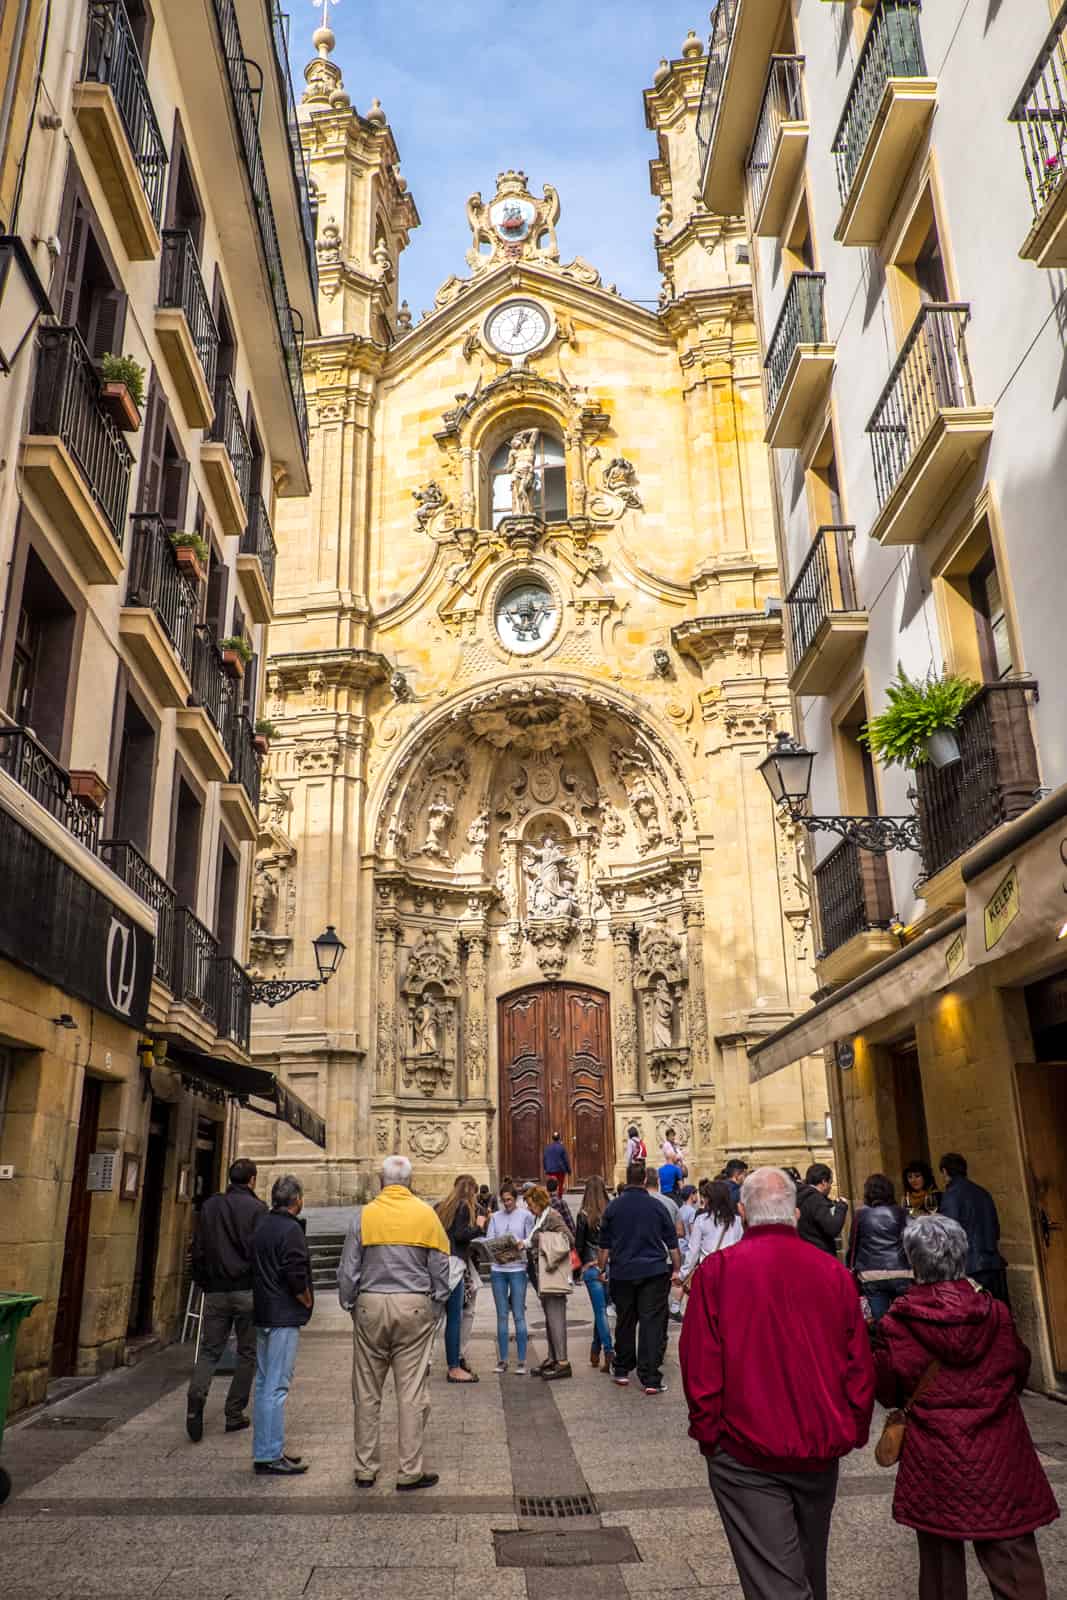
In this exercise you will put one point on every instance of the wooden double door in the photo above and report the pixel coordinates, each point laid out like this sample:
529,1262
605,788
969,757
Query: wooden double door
555,1073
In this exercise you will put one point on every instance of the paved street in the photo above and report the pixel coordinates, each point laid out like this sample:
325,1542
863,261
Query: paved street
112,1499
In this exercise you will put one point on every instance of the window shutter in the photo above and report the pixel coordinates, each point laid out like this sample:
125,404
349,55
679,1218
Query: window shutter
107,322
155,438
74,250
175,486
251,674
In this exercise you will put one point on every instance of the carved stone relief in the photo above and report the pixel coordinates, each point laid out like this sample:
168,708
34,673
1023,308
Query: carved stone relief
660,979
430,992
428,1139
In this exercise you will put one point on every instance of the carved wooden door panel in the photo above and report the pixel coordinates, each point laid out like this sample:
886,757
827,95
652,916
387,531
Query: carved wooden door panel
555,1054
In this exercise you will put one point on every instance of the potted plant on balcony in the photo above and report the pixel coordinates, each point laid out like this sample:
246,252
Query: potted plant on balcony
265,731
236,654
88,787
191,552
122,391
920,720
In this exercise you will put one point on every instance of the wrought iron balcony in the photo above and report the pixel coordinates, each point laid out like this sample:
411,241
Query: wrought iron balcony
157,582
246,110
774,160
1040,115
228,429
212,688
127,863
66,405
280,26
825,621
258,540
234,1002
246,764
182,288
995,780
111,58
799,362
854,895
196,967
722,28
27,761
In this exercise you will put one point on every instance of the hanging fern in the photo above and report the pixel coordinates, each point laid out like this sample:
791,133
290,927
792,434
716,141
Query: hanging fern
916,708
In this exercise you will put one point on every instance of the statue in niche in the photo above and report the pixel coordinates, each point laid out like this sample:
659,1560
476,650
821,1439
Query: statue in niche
550,880
438,822
264,899
662,1016
645,809
478,832
426,1020
522,457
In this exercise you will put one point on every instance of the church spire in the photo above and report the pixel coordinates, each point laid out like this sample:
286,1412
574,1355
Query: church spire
325,85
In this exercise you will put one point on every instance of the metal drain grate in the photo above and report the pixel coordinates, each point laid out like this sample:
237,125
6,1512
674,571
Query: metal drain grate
87,1424
570,1547
556,1505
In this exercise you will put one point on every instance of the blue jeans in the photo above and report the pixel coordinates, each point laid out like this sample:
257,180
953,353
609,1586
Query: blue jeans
509,1294
454,1325
881,1294
275,1360
598,1295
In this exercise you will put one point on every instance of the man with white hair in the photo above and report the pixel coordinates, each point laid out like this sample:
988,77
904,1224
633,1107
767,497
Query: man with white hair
393,1279
779,1378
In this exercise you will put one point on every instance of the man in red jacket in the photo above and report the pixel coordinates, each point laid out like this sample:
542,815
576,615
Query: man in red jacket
779,1378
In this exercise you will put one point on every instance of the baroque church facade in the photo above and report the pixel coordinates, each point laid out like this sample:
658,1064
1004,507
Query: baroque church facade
523,671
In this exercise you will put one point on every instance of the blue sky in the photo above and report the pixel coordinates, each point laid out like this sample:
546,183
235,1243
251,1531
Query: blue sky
551,87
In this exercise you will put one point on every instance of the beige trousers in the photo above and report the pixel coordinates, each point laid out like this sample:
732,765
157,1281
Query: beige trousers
392,1332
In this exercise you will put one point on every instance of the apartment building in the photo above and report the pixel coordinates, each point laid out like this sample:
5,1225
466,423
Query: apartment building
899,166
156,209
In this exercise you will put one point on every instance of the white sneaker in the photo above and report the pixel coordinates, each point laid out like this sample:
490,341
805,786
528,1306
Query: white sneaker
520,1372
501,1366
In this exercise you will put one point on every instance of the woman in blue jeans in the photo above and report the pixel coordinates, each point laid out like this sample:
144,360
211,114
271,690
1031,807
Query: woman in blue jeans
509,1277
587,1243
463,1223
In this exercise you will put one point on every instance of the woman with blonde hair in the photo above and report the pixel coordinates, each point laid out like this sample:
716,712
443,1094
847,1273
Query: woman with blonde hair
463,1223
548,1261
586,1245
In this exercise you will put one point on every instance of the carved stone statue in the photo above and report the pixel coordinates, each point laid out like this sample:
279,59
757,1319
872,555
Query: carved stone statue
426,1018
478,832
264,900
438,822
550,880
522,457
662,1008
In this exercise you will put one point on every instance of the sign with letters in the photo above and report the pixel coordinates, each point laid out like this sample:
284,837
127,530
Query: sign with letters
59,926
1002,908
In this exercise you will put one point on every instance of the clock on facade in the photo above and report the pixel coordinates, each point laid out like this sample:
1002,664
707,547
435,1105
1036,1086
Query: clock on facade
517,327
527,616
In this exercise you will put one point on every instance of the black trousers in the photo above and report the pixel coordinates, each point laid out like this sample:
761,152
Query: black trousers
641,1326
778,1526
1012,1568
221,1313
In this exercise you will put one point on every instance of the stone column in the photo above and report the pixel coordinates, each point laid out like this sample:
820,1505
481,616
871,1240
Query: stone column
697,1022
387,929
476,1027
624,1020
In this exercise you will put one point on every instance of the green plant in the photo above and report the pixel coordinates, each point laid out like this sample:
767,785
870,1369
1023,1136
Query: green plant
239,645
124,369
265,728
916,708
191,541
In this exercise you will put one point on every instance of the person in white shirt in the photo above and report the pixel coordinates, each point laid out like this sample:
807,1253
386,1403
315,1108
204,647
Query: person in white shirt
717,1226
509,1278
671,1150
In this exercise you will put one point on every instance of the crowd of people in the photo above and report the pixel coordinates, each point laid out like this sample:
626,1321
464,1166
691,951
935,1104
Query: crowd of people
905,1300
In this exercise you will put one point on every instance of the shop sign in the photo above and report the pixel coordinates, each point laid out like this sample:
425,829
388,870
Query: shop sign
956,954
1002,908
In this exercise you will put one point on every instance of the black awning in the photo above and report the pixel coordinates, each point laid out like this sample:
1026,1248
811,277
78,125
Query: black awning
244,1083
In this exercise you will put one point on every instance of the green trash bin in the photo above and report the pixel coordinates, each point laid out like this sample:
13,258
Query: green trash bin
13,1308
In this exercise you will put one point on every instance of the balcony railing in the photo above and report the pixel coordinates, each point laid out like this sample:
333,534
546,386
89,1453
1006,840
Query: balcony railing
854,895
181,286
212,688
246,769
825,584
246,110
258,540
930,375
995,780
280,24
722,29
893,48
127,863
66,404
111,58
196,967
42,777
783,101
228,428
1040,114
234,1002
802,320
156,581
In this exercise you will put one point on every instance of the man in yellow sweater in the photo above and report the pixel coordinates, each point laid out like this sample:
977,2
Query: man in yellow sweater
393,1280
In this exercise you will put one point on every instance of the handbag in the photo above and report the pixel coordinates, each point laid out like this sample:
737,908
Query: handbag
888,1449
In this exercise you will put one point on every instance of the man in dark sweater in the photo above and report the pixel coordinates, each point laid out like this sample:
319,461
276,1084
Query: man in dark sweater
639,1239
281,1291
222,1268
557,1163
820,1219
974,1208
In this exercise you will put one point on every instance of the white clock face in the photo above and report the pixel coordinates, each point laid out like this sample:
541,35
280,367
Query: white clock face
527,616
517,328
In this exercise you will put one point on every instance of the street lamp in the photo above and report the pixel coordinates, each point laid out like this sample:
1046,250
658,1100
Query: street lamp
22,298
786,770
329,950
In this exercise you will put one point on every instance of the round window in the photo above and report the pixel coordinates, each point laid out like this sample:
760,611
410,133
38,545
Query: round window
527,616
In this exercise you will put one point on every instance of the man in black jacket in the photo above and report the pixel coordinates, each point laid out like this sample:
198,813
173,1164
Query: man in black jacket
222,1267
283,1301
821,1219
974,1208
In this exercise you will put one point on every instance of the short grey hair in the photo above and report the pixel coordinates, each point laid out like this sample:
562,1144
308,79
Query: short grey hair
936,1248
396,1169
769,1195
284,1191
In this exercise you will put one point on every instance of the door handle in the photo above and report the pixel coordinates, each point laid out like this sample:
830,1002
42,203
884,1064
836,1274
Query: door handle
1047,1226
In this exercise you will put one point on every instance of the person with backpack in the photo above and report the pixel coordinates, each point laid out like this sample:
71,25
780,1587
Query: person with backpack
636,1149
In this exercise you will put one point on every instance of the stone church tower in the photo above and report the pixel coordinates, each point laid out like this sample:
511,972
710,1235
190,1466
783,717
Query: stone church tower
522,673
